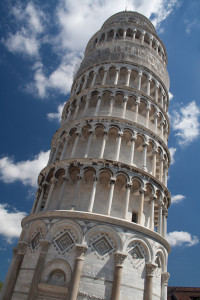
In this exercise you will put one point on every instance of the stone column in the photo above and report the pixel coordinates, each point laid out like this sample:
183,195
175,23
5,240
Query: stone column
88,143
162,123
64,148
104,77
150,268
156,91
119,260
103,145
85,82
124,34
164,229
137,103
75,144
134,33
94,79
38,207
111,105
45,243
116,76
165,174
13,272
93,193
124,106
148,85
51,155
128,77
161,168
53,182
160,217
128,189
164,283
98,105
162,97
110,197
142,38
148,108
57,150
76,275
86,107
154,163
152,201
120,134
62,190
139,80
156,122
141,207
132,151
76,110
144,157
69,115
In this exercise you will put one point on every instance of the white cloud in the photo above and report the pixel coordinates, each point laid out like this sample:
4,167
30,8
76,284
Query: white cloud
171,96
177,198
182,238
172,151
186,123
24,171
26,39
60,79
57,115
19,43
10,222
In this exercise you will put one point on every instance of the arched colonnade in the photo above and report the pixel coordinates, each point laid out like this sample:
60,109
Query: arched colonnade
128,33
112,142
106,191
120,74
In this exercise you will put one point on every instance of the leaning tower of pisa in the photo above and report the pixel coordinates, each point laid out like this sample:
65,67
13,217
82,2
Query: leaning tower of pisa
97,229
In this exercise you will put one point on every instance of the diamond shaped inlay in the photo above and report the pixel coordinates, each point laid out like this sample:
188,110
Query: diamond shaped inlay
64,241
36,240
136,253
102,246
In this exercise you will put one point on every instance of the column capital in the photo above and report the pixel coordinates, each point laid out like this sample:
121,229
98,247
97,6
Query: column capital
119,258
150,268
129,71
140,73
80,251
45,243
128,186
142,191
125,98
112,180
22,246
54,180
165,277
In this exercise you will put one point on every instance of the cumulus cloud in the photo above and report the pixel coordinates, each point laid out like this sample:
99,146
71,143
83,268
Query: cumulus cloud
172,151
185,123
182,238
10,222
24,171
177,198
57,115
26,39
60,79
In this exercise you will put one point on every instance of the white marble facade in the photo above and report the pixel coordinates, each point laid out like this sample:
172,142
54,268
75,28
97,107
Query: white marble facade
97,229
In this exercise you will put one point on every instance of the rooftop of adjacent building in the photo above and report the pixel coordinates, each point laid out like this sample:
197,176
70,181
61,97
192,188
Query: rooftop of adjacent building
183,293
130,17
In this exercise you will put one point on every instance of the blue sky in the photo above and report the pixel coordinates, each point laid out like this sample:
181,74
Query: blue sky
41,45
